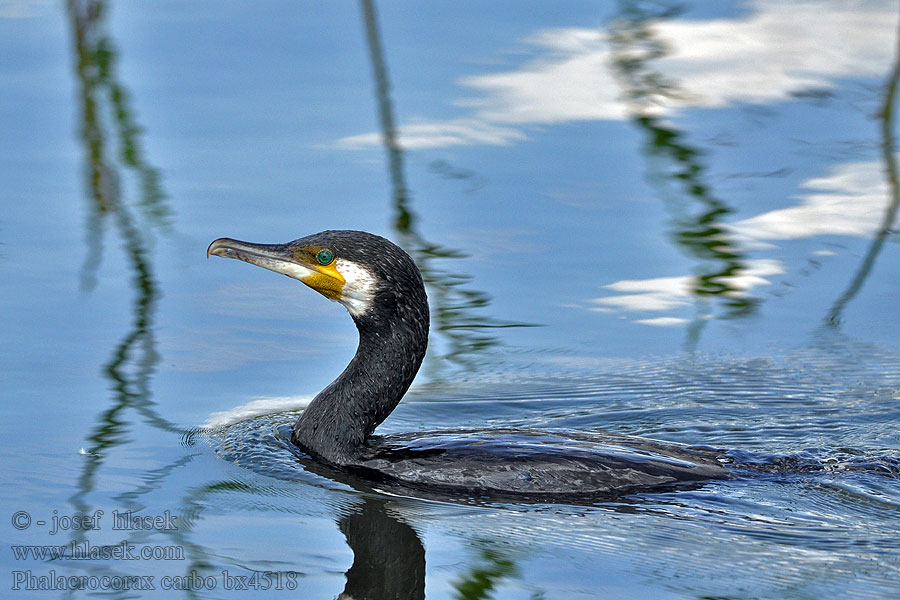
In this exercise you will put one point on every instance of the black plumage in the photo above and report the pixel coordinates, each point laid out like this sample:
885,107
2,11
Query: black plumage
393,336
337,427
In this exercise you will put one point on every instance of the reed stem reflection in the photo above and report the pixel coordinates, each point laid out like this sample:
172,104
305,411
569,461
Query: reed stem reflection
453,306
134,360
698,226
103,104
889,156
481,581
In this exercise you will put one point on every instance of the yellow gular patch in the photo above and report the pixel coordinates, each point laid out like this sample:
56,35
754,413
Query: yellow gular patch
325,279
327,282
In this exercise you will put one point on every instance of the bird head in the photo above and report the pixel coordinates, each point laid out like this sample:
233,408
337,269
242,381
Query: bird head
349,267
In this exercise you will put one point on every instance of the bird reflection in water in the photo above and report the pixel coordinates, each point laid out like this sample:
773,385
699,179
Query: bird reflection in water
388,556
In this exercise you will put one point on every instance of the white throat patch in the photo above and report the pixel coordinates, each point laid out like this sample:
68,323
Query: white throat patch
358,290
291,269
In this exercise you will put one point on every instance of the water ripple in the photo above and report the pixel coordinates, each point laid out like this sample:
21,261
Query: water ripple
814,444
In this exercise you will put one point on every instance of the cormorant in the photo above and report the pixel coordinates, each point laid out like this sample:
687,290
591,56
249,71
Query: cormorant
383,291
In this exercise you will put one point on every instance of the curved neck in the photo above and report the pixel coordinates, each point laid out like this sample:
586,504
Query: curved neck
335,425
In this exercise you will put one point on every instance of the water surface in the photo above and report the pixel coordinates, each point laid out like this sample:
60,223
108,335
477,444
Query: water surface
672,220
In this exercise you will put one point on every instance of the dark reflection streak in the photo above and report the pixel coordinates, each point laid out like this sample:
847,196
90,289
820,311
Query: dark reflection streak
96,73
889,155
701,235
134,359
94,255
404,218
388,556
95,59
99,176
452,306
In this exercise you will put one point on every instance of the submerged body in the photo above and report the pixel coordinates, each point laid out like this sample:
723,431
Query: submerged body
383,291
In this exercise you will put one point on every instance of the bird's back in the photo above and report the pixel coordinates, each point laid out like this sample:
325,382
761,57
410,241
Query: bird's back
534,465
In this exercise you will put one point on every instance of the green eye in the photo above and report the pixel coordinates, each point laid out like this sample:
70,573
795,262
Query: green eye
325,256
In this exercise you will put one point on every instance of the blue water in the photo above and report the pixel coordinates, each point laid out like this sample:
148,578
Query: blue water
667,220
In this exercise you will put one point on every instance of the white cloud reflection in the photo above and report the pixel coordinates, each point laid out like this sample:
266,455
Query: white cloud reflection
670,293
776,49
773,50
662,321
850,200
461,132
659,294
